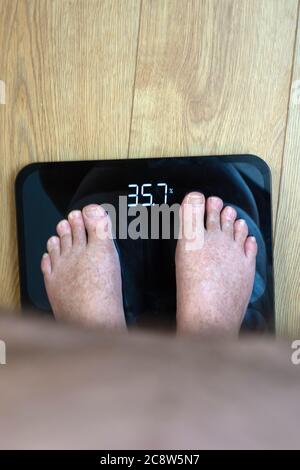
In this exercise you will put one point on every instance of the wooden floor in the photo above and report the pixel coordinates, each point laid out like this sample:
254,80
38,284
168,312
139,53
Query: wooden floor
89,79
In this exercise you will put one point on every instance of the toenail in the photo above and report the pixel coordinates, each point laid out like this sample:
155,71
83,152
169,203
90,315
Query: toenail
229,212
94,212
74,214
63,224
53,240
215,201
196,199
241,222
253,239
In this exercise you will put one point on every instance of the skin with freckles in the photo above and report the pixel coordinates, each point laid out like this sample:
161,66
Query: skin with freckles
215,267
215,279
82,271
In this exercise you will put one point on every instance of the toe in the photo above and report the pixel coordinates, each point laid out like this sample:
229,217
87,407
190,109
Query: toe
65,233
46,265
53,247
240,231
78,228
97,223
228,216
251,247
213,208
192,220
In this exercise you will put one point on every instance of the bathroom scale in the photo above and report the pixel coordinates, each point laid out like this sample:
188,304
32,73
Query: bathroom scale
47,192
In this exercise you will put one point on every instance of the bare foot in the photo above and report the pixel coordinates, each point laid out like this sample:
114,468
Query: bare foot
82,272
215,279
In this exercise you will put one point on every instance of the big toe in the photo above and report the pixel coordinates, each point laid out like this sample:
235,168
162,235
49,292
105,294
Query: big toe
192,221
97,223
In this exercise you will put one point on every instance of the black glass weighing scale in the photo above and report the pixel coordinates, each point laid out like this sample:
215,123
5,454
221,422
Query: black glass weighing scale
47,192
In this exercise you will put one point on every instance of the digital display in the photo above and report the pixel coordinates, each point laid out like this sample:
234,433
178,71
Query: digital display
149,194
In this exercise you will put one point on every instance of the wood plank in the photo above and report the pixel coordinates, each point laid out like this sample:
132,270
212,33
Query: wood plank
213,78
287,242
69,72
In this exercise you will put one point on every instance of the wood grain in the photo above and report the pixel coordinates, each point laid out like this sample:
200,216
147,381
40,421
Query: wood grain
213,78
69,71
287,242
